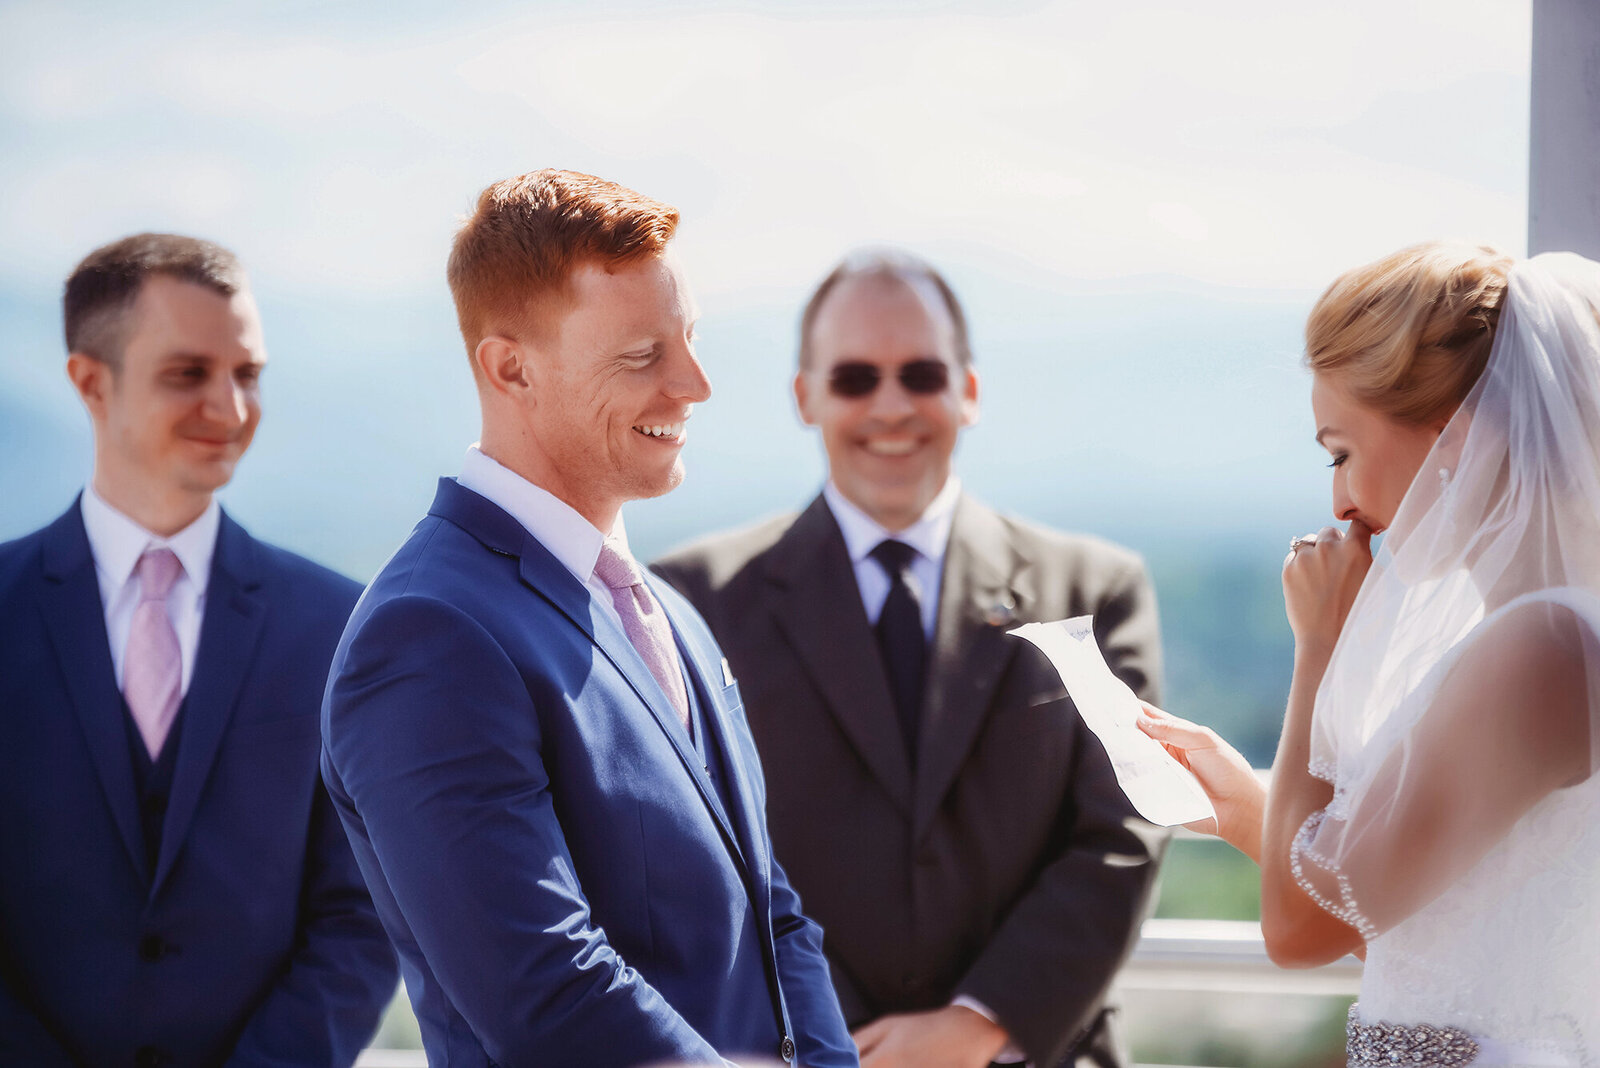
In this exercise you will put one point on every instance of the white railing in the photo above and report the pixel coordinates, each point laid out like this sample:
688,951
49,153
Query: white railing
1222,956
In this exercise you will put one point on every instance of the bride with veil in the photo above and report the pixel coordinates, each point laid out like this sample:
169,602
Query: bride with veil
1434,805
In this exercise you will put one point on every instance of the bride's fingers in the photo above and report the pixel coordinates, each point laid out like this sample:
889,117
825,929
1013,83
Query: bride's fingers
1174,732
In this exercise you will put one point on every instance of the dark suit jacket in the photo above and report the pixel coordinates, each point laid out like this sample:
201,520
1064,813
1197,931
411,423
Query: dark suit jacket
251,940
544,842
1008,866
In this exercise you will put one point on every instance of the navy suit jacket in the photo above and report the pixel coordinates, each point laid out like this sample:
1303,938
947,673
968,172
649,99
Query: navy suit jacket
543,843
251,940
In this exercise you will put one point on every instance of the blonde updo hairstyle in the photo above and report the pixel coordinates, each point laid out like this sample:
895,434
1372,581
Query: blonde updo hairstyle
1409,335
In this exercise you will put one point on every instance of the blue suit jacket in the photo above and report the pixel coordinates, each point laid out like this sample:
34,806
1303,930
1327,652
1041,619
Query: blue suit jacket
544,846
251,940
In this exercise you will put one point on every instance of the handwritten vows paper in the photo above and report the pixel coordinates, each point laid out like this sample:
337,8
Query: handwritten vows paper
1161,789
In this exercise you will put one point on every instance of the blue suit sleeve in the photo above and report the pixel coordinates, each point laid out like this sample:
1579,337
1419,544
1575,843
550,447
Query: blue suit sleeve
433,734
326,1005
24,1038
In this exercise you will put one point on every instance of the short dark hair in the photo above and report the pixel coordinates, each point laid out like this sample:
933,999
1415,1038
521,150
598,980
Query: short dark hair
514,257
884,263
101,289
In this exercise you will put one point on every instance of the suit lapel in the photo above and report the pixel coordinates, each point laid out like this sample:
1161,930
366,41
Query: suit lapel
981,594
613,641
76,623
817,605
229,631
546,576
705,673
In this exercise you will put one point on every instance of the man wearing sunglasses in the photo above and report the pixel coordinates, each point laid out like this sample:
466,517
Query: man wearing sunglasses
937,801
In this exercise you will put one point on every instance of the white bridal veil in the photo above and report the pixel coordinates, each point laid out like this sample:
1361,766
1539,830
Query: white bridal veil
1464,692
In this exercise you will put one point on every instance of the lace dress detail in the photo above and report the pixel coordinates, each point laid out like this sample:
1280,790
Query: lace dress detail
1507,954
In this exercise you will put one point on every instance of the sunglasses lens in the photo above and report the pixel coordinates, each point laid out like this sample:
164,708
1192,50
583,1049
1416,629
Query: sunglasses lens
853,379
925,376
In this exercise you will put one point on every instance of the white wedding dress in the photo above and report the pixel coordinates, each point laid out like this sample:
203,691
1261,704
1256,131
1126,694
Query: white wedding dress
1482,921
1509,952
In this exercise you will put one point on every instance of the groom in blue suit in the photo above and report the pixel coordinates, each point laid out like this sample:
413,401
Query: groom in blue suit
175,887
540,754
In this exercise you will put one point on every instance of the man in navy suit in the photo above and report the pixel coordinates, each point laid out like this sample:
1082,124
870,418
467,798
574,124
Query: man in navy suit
175,886
540,754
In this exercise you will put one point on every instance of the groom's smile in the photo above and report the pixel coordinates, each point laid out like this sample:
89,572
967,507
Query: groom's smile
667,433
613,385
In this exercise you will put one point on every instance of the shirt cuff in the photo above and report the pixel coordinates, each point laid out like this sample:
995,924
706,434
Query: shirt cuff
1009,1054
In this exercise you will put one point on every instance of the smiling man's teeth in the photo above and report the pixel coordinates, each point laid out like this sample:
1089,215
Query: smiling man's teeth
670,430
891,448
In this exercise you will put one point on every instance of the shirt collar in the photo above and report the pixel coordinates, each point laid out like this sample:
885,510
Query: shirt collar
929,535
558,526
117,541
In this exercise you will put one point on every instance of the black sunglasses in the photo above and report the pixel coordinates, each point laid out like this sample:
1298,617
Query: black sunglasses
857,379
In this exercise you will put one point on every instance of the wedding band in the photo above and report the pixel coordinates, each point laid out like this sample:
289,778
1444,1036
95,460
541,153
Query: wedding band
1296,544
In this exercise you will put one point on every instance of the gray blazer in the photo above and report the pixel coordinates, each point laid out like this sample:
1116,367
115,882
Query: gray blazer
1007,866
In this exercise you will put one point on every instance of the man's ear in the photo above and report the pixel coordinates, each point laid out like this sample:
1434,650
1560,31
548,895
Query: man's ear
969,397
93,379
802,398
502,364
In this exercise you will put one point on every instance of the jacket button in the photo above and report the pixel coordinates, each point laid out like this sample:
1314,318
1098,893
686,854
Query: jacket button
786,1049
148,1057
151,947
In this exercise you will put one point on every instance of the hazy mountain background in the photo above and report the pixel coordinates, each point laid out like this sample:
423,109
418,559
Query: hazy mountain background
1137,203
1167,415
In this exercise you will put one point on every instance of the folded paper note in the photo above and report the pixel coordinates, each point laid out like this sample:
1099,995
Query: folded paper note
1161,789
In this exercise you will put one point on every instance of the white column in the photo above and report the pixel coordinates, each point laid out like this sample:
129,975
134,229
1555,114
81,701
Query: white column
1564,133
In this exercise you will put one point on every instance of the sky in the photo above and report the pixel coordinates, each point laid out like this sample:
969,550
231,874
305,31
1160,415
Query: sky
1138,202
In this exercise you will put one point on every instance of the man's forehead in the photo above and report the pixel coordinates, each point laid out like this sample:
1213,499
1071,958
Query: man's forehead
192,309
625,295
860,302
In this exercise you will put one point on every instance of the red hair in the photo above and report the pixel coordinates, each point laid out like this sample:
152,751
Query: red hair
512,261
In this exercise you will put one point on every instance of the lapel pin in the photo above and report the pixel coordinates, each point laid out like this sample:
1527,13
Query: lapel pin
1001,613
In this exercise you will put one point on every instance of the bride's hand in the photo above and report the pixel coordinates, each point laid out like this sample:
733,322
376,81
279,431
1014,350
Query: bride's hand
1236,793
1320,578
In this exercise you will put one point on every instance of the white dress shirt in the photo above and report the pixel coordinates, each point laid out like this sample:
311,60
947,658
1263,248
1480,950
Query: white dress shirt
930,537
559,527
116,542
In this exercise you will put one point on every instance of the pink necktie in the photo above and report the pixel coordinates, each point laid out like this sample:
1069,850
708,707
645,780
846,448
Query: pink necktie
645,623
152,666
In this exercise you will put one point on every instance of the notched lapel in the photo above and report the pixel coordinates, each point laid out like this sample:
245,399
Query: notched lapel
983,592
818,607
542,573
76,623
229,632
705,670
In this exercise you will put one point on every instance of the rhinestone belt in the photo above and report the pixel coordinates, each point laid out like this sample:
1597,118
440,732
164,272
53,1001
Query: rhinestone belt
1387,1045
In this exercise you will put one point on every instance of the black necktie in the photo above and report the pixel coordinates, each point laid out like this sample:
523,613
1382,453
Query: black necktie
900,639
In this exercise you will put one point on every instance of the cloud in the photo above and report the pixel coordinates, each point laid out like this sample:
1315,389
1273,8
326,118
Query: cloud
1244,143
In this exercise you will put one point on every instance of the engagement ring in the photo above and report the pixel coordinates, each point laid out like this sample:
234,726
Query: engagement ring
1296,544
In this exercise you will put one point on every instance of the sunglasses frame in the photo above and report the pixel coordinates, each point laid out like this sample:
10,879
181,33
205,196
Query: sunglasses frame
917,377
